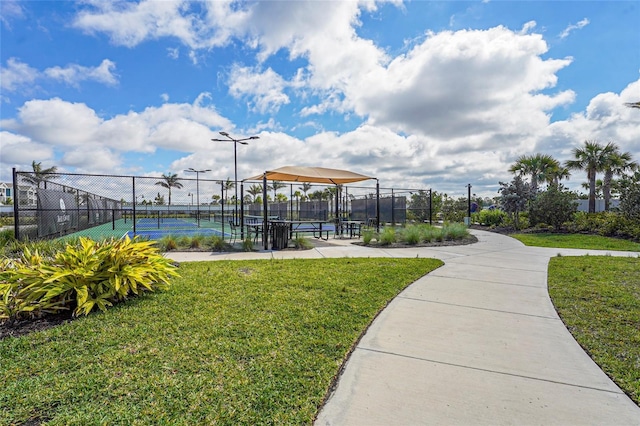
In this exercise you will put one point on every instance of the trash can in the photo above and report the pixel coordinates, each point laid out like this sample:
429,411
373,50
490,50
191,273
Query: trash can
279,236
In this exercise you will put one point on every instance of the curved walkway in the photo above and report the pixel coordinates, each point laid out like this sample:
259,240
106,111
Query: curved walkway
476,341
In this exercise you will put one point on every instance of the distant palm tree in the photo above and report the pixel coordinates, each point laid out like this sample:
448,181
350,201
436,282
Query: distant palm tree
592,158
540,167
228,185
306,186
169,181
254,191
40,175
275,185
617,163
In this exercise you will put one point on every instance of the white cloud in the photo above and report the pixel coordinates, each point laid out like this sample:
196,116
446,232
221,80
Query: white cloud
9,10
90,142
74,73
18,149
173,52
581,24
196,24
16,74
266,89
458,84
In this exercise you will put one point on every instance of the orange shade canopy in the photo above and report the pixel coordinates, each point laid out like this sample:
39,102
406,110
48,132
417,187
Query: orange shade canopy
311,175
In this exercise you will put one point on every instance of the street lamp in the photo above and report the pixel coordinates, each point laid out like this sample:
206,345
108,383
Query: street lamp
197,172
190,195
235,160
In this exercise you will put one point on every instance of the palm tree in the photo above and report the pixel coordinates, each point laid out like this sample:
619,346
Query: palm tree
275,185
541,168
169,181
585,185
227,185
617,163
40,175
254,191
306,186
592,158
633,104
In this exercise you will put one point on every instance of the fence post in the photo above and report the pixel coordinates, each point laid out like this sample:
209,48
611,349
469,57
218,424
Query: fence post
430,206
265,206
133,178
241,210
393,209
16,209
377,205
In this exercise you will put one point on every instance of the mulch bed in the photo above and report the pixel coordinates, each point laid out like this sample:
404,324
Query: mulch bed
20,328
459,242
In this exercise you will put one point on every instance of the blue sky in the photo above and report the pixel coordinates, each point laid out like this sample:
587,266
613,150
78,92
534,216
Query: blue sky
419,94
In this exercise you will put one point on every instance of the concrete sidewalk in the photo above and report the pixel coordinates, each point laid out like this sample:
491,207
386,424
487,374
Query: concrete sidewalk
475,342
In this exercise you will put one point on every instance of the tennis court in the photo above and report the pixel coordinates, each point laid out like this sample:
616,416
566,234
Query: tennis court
154,228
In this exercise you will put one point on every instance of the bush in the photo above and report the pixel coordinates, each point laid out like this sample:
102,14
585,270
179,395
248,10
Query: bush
411,235
554,207
607,224
388,236
454,231
630,196
247,244
367,236
83,276
490,217
302,243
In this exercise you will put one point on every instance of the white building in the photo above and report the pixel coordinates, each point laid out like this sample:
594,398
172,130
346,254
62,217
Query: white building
6,192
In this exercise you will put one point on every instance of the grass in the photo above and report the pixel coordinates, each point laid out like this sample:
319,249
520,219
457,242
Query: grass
578,241
598,298
236,342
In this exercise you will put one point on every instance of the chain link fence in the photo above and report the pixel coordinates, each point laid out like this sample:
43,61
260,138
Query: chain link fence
66,205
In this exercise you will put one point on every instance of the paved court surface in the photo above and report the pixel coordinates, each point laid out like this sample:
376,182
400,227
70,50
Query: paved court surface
476,342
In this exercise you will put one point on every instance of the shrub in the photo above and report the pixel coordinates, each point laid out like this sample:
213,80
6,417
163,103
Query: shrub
6,236
553,207
430,233
83,276
388,236
454,231
301,243
218,243
247,244
197,241
412,235
630,196
168,243
367,236
490,217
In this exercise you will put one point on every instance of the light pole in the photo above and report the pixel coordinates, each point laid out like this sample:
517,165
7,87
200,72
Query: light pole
197,172
191,195
235,161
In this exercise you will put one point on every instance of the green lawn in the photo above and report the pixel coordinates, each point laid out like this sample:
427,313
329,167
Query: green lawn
236,342
598,298
579,241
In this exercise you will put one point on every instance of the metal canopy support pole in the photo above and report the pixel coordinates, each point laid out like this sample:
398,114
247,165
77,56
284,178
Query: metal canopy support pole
265,222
